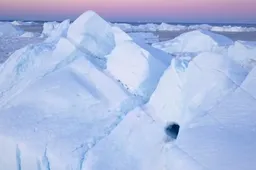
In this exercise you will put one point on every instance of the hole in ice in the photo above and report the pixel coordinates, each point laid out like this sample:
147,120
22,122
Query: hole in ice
172,131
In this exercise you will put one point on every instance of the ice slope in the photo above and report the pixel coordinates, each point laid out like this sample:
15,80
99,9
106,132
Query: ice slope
120,36
139,142
91,32
71,99
195,42
244,53
57,101
136,68
230,131
8,45
60,30
188,96
48,27
8,30
249,84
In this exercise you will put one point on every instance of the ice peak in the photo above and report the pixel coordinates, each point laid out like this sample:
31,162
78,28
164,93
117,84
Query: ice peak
90,31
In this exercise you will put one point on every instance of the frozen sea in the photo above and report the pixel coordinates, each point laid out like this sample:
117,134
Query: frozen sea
88,96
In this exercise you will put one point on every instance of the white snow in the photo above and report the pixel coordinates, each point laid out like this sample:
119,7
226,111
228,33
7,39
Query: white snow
135,67
120,35
93,97
194,42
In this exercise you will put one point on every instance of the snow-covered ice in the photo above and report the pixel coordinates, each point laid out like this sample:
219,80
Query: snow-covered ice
48,27
244,53
8,45
18,23
188,96
58,31
233,29
194,42
8,30
91,97
89,31
150,27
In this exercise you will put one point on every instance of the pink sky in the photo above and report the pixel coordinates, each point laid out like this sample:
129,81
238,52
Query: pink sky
185,10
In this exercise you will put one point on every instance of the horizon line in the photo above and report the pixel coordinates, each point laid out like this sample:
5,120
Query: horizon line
138,22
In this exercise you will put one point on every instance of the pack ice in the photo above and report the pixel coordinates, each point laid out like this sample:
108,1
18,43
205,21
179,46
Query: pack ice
90,98
68,96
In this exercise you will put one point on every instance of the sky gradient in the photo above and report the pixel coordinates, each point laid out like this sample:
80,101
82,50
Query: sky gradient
209,11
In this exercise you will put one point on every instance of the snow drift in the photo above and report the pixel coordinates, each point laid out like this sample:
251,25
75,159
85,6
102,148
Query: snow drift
195,42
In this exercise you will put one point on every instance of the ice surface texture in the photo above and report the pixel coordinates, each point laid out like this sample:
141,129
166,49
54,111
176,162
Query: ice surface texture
90,97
